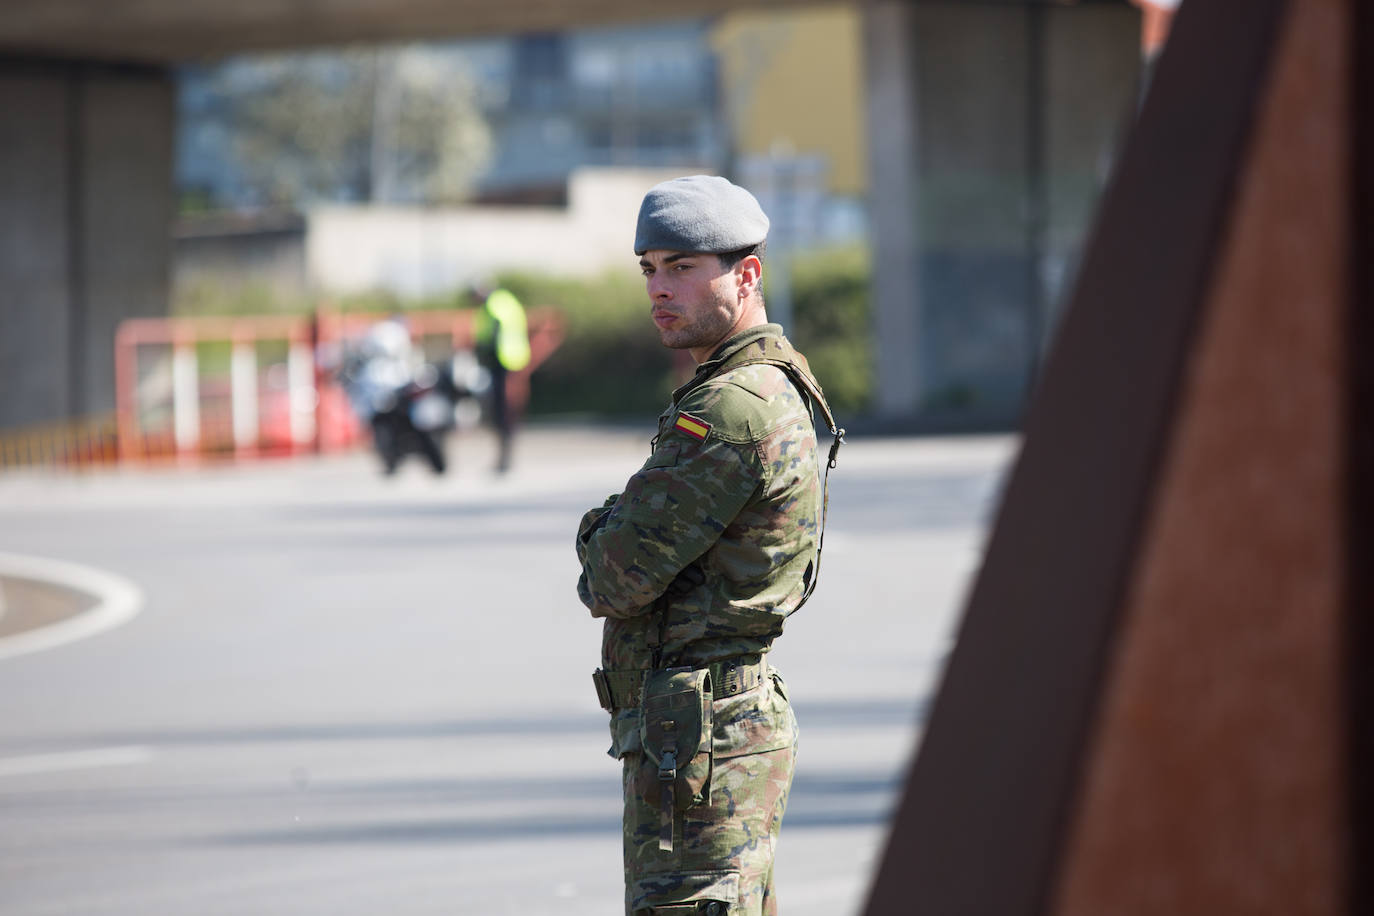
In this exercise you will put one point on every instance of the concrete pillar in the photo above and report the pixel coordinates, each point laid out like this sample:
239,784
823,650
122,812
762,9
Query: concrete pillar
86,203
890,73
992,127
35,246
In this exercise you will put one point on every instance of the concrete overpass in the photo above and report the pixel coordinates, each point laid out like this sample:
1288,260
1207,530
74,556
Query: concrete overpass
167,31
984,116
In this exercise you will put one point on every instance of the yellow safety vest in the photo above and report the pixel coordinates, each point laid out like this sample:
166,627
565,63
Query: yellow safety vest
503,311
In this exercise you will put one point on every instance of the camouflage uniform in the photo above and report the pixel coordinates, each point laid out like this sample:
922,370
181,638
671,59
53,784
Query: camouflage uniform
697,564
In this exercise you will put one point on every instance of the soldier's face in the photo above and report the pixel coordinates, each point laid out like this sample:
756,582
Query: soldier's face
694,300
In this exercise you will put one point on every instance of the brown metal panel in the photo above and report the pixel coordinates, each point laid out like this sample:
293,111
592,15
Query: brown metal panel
1359,528
1214,782
980,826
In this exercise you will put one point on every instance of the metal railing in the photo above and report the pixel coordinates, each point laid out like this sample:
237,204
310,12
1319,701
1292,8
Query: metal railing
78,443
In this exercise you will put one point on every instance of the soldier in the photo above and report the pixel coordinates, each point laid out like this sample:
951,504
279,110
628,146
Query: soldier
699,561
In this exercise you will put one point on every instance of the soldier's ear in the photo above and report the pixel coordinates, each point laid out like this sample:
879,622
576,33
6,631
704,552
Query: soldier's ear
750,270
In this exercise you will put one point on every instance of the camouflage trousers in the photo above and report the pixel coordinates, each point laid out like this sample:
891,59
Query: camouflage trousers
722,858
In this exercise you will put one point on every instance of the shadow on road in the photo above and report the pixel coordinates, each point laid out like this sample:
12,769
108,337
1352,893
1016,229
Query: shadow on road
827,714
835,799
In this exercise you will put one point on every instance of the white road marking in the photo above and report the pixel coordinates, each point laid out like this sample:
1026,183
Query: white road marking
74,760
118,600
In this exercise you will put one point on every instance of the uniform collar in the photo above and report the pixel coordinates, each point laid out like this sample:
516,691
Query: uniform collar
747,336
733,344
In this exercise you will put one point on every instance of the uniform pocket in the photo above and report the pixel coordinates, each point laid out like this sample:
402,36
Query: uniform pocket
675,735
648,490
664,456
702,892
754,722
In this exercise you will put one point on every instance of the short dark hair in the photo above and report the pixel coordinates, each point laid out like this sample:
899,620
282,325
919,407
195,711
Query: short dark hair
729,259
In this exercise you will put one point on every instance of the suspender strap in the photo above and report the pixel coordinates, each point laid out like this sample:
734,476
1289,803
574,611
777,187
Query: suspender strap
807,384
776,350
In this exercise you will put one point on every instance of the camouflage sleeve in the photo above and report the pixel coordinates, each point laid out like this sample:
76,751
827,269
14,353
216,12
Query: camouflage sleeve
592,520
671,512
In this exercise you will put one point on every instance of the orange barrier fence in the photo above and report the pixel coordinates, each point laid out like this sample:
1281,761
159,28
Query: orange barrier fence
265,385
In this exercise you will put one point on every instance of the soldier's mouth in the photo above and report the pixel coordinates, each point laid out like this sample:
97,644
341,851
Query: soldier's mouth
664,319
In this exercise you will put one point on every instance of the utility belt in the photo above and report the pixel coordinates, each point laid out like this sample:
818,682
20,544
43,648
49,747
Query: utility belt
675,727
729,676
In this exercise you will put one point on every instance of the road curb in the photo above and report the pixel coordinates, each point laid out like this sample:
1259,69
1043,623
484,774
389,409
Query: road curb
117,601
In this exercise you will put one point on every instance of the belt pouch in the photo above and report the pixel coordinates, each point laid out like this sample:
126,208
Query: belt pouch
675,731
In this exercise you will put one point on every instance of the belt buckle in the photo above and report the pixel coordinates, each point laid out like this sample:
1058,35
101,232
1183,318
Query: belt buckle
603,690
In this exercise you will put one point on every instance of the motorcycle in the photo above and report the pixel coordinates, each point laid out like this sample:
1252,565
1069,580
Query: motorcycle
410,405
411,410
413,419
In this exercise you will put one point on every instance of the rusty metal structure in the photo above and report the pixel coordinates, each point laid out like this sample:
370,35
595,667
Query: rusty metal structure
1160,700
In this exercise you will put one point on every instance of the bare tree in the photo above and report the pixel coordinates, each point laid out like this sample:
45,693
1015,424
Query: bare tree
394,125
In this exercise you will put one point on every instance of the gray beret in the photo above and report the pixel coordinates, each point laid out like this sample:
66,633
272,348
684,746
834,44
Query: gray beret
702,213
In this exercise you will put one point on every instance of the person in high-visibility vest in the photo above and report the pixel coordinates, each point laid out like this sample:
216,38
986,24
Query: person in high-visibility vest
503,346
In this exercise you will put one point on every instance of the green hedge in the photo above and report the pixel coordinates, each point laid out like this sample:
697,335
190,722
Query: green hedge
612,363
830,296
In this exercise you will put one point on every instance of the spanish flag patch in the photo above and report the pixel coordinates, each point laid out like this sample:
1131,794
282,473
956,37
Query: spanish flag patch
692,426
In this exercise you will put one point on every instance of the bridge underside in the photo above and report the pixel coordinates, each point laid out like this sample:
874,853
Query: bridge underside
164,31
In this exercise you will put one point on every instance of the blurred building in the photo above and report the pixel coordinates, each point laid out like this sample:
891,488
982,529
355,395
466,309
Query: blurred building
638,97
581,122
435,251
255,260
632,96
792,95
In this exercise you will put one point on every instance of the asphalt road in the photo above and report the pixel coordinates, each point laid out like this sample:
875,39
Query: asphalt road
351,695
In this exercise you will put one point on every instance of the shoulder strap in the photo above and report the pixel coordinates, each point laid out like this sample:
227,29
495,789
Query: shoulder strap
777,351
